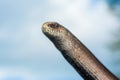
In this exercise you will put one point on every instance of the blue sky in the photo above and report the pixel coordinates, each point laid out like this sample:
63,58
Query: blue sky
26,54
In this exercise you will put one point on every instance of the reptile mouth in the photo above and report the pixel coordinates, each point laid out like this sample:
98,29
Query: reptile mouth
53,29
50,27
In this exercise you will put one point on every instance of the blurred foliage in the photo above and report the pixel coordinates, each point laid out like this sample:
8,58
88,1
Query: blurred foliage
113,3
115,45
114,6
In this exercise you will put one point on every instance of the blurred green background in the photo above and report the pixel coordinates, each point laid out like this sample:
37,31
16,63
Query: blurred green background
26,54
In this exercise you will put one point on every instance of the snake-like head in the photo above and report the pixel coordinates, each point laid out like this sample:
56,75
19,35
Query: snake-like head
59,35
53,29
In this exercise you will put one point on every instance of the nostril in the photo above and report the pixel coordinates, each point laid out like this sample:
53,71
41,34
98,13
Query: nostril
53,25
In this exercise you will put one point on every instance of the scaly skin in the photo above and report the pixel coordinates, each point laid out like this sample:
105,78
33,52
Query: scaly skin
84,62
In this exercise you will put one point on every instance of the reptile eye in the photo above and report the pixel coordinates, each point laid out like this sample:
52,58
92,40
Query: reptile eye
54,25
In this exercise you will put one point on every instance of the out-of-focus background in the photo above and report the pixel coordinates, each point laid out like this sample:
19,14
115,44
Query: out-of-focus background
26,54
